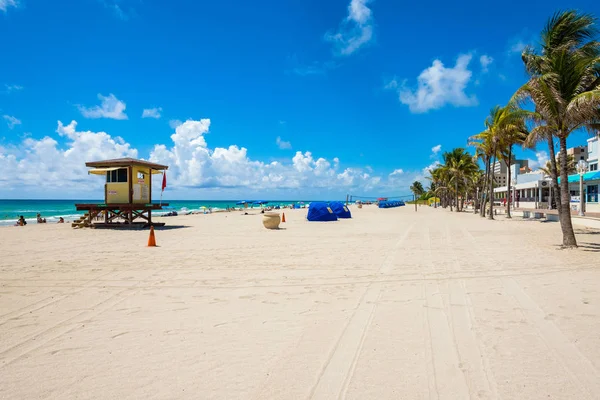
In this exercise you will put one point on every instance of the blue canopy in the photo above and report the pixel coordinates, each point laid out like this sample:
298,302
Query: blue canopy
391,203
588,176
260,202
241,202
340,209
319,211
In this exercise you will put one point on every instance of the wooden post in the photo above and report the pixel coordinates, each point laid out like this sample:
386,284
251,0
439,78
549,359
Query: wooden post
150,186
130,180
415,200
346,200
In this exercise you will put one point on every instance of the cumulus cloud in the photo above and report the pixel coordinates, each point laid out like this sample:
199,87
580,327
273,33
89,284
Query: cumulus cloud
430,167
192,163
50,164
541,158
5,4
11,121
355,31
438,86
174,123
110,107
45,164
436,149
282,144
152,112
485,62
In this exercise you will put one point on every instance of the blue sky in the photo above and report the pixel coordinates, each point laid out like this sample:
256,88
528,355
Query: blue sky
368,88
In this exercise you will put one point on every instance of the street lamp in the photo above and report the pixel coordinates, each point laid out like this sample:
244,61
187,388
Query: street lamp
582,167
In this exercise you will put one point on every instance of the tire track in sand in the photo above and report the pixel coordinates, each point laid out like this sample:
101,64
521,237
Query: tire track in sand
340,365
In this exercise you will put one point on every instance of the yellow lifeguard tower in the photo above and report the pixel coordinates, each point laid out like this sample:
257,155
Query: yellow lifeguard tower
127,193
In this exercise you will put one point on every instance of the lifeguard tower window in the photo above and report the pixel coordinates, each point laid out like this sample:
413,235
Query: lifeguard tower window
118,175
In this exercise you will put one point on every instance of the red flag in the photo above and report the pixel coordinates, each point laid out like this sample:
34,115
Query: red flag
164,183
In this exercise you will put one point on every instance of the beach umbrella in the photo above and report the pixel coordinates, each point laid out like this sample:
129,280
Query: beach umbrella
241,202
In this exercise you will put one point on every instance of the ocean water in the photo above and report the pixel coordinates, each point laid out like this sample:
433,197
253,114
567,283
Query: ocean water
52,210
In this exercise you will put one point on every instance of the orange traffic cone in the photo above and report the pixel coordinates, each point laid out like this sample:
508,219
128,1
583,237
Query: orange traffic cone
283,217
151,239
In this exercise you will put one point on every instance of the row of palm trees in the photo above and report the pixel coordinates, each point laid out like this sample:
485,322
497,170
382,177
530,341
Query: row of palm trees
562,95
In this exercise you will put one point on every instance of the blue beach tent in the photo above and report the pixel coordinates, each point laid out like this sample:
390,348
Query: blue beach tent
340,209
319,211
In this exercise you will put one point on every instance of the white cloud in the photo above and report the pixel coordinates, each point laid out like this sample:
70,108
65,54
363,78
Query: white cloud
436,149
152,112
11,121
5,4
430,167
283,144
45,165
540,161
174,123
193,164
485,62
517,46
297,67
110,107
56,170
13,88
118,11
439,86
355,31
392,84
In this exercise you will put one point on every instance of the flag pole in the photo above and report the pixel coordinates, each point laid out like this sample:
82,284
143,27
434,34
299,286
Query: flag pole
162,187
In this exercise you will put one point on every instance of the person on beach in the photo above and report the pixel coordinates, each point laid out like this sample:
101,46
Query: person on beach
61,220
40,220
21,221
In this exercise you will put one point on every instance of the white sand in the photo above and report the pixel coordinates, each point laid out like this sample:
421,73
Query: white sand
392,304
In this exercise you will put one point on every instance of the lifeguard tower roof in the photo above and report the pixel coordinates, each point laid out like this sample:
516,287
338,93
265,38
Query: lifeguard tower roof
125,162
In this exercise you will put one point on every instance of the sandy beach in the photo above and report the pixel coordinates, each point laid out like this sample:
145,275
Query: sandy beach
392,304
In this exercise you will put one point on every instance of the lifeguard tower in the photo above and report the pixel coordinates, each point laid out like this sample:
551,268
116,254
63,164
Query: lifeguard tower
127,194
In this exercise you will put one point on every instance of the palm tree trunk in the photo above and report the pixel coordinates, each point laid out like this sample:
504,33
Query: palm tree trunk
483,187
508,183
491,193
565,206
456,190
554,173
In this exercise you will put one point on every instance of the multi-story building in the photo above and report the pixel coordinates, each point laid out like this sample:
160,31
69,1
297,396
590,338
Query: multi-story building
592,153
578,153
500,170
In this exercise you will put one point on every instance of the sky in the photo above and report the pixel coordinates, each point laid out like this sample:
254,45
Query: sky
298,99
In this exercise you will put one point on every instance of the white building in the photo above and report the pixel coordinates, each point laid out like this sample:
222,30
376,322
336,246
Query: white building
592,153
529,190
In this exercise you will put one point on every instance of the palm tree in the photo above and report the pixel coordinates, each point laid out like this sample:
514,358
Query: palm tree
500,122
564,85
483,151
456,174
441,176
571,167
417,189
514,131
460,167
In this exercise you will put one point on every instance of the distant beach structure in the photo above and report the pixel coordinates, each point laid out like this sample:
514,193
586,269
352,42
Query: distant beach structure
127,194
